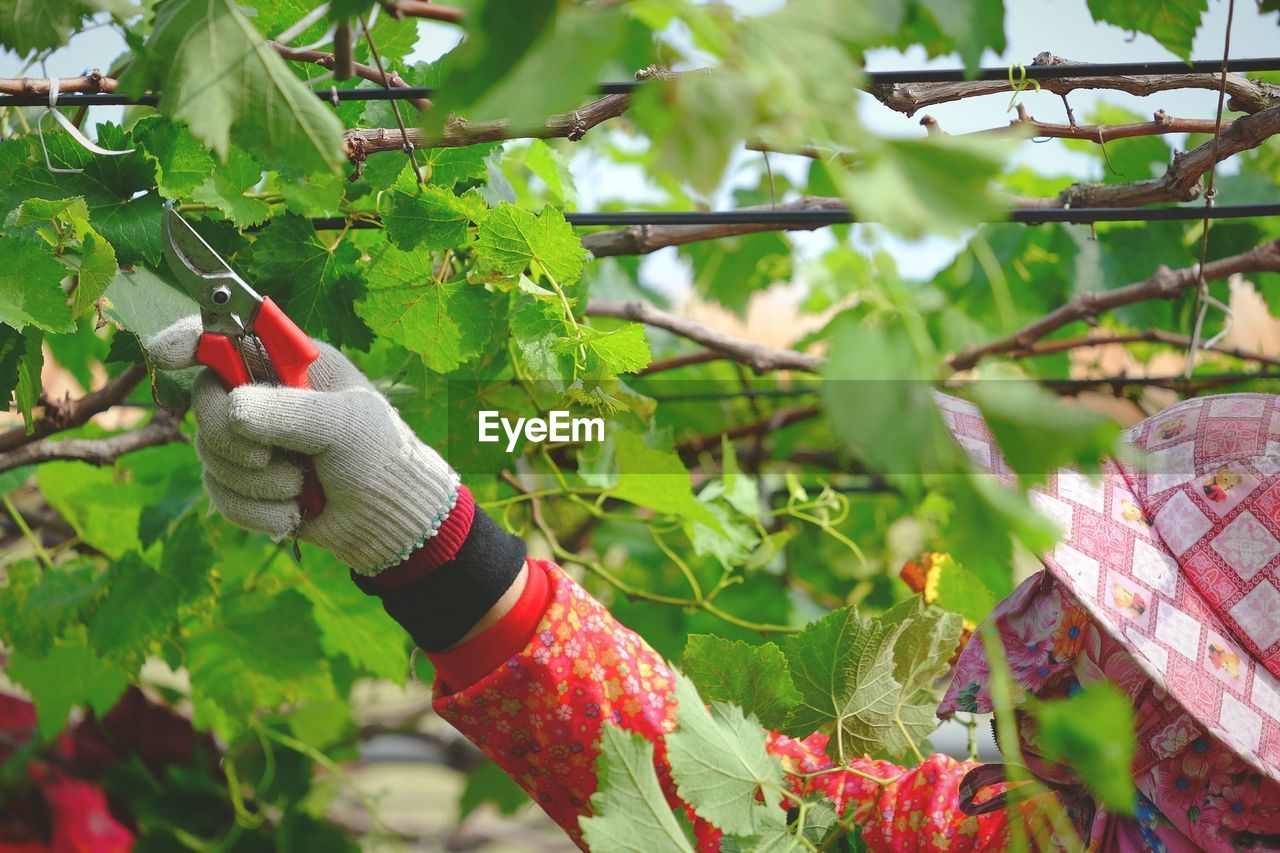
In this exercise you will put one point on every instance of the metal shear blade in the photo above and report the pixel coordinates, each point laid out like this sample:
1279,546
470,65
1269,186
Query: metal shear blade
227,303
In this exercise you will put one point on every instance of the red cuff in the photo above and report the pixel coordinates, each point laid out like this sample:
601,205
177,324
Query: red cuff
462,666
436,551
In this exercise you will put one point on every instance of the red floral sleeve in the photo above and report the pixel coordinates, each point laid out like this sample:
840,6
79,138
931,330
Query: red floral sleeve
538,716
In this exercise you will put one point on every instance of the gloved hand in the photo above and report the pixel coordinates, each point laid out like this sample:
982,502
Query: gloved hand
385,491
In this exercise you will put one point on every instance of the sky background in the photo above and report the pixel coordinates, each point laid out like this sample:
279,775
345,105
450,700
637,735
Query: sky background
1063,27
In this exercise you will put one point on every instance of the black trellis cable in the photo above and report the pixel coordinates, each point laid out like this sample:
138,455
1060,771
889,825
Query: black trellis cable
873,78
799,218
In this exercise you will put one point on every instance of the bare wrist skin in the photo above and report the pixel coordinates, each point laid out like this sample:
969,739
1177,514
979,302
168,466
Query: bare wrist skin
500,609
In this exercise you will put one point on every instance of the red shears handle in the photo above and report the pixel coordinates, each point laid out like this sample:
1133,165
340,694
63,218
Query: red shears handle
291,352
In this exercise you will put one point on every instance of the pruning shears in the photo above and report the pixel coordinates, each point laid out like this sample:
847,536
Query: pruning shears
246,337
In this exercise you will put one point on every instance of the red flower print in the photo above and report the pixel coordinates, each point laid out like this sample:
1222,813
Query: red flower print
1232,808
1210,763
1175,790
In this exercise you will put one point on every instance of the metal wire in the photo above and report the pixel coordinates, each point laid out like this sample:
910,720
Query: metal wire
798,218
873,78
1203,298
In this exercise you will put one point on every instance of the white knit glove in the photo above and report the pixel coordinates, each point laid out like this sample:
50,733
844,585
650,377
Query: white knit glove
385,491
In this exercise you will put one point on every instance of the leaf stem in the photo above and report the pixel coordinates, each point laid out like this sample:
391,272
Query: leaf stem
28,533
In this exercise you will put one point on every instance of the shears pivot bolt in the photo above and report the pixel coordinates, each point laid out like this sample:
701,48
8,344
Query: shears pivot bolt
221,295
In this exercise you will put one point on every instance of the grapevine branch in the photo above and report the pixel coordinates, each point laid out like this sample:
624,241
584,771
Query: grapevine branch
92,83
1150,336
69,414
678,361
163,428
1181,181
359,143
1160,124
758,357
1164,284
422,9
691,449
367,72
1246,96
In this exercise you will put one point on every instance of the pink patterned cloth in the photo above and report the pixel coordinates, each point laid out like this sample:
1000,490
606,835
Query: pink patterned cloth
1164,583
539,716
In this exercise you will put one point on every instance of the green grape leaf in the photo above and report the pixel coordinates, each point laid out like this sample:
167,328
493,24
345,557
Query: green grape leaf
31,291
447,323
255,652
104,504
1093,730
118,190
961,591
27,25
878,405
656,479
973,25
537,329
628,811
12,347
489,783
141,604
755,678
1039,434
866,678
512,239
66,211
30,366
843,667
316,194
450,166
98,269
732,269
225,187
719,761
1173,23
37,606
620,350
351,623
70,675
181,162
215,72
143,303
314,283
921,657
940,184
431,216
140,607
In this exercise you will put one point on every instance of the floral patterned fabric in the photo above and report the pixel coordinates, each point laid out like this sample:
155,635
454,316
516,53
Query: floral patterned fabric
1170,574
539,716
1196,793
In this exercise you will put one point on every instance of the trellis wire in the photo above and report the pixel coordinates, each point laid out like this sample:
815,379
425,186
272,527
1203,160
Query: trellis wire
873,78
1203,298
814,218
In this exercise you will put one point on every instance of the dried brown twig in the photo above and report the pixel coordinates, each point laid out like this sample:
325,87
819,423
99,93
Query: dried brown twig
163,428
1246,96
93,82
758,357
68,414
1163,284
365,72
359,143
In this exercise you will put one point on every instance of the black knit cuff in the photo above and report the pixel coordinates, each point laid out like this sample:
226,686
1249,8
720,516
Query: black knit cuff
439,609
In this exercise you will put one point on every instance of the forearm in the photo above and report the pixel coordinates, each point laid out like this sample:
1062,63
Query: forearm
533,678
